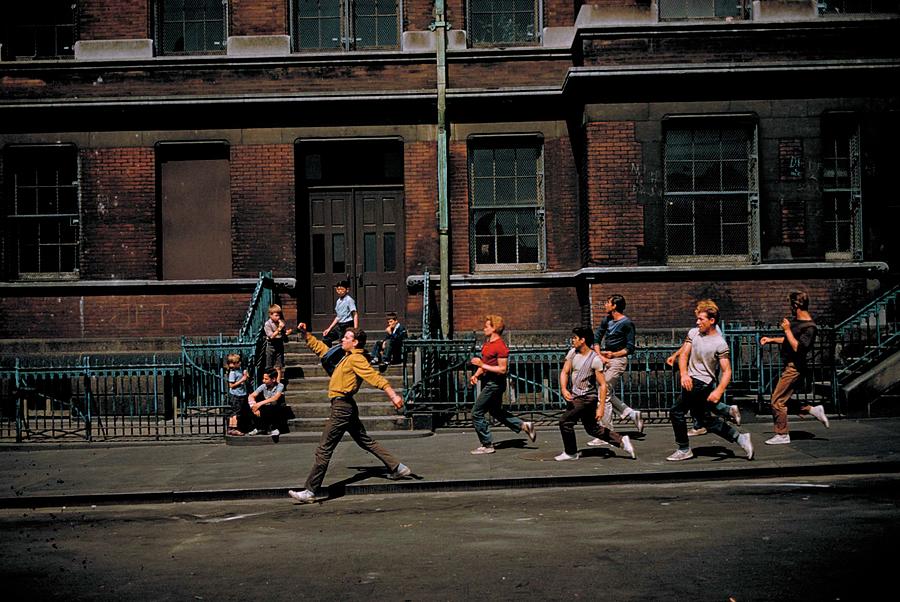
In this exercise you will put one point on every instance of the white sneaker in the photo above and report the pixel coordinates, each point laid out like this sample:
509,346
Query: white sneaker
306,496
254,432
681,454
638,420
779,440
528,429
744,441
697,432
564,456
401,471
818,412
275,433
735,413
598,443
628,448
482,450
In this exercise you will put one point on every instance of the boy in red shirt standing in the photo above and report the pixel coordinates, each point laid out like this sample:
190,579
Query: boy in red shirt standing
491,369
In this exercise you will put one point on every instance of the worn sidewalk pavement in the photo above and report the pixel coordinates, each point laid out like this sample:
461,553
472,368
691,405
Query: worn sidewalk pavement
48,474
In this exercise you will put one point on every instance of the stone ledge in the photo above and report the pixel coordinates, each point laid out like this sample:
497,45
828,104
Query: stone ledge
279,45
558,37
107,50
785,10
590,15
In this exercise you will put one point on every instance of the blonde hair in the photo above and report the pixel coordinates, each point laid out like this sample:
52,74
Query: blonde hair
273,308
233,358
706,305
496,321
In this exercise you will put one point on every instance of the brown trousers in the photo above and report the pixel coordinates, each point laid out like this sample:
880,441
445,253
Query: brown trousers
344,418
790,378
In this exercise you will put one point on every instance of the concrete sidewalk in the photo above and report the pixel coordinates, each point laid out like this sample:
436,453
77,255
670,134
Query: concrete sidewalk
35,474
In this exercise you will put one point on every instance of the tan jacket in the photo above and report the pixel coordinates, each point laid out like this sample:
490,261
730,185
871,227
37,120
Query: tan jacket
350,372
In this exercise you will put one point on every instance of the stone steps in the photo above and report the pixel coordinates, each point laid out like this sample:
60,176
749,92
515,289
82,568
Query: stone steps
372,423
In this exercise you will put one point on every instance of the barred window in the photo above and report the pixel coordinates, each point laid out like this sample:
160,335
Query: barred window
842,7
841,188
346,24
503,22
702,9
38,30
42,211
506,222
711,194
191,26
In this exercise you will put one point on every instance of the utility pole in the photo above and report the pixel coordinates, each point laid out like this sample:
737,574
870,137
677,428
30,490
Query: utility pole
440,26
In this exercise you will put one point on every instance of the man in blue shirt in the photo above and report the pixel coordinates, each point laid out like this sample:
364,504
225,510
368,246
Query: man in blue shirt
345,314
614,342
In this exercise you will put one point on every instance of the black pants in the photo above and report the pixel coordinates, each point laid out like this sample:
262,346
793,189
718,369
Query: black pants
241,409
271,417
695,402
337,333
584,408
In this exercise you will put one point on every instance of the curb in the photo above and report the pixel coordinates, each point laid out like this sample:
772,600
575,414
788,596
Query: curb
421,486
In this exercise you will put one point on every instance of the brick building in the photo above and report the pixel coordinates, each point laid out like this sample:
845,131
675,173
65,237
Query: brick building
157,154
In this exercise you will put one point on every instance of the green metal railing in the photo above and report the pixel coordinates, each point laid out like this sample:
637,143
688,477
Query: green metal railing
868,335
130,396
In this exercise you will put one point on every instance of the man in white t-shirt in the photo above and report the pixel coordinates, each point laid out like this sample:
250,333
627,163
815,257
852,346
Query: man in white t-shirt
704,354
583,370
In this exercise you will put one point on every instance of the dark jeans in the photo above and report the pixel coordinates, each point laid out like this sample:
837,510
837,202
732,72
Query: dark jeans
694,401
388,351
491,401
337,333
344,418
271,417
241,409
584,408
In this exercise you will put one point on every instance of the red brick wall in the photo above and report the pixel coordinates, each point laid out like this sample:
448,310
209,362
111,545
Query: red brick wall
562,221
521,308
419,14
560,13
118,213
123,316
263,212
258,17
114,20
616,225
459,207
671,304
420,207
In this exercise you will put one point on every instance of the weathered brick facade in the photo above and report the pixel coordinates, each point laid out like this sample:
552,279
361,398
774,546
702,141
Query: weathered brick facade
600,97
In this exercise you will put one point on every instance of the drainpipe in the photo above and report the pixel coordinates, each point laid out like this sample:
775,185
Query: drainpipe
440,25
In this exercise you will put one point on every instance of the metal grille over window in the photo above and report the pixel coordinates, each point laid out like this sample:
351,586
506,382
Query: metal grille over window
497,22
42,211
38,30
711,195
346,24
192,26
507,208
841,190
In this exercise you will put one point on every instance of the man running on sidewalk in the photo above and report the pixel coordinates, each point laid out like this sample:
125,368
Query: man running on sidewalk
614,342
584,400
798,339
704,351
344,417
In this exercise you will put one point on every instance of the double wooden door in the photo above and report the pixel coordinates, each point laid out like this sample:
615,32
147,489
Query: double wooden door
357,235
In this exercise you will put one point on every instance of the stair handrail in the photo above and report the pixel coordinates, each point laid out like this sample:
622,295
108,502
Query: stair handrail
867,309
257,310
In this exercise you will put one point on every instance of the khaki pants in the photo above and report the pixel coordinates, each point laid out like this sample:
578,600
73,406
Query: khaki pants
789,380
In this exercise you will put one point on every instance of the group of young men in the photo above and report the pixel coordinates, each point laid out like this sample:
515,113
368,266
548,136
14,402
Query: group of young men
587,381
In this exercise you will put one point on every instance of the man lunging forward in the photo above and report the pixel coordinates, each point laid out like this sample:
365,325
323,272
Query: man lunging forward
344,417
584,401
704,351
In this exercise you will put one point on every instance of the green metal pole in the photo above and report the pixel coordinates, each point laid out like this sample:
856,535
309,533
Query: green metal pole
440,26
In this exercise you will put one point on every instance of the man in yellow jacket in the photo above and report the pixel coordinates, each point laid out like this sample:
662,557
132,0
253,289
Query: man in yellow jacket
344,417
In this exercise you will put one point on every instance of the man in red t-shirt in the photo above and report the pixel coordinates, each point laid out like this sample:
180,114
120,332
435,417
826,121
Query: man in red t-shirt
491,369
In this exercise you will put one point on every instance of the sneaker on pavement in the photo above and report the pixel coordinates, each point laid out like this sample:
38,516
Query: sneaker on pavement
744,441
598,443
307,497
681,454
735,413
638,420
779,440
484,449
818,412
275,433
697,432
564,456
401,471
628,448
528,429
253,432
